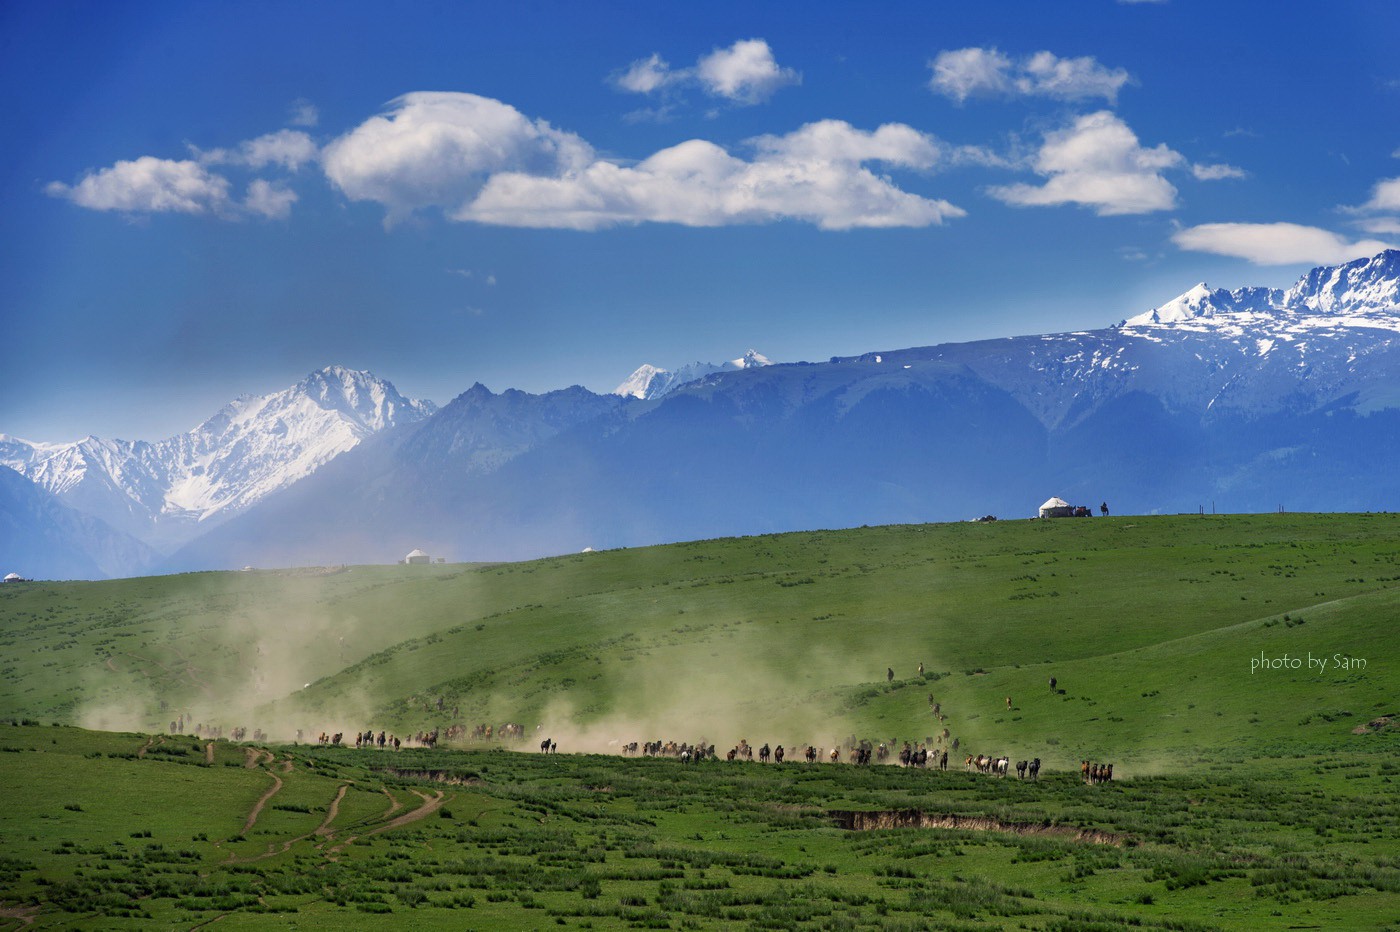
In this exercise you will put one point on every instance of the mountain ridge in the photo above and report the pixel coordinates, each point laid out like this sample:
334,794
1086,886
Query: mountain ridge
1246,396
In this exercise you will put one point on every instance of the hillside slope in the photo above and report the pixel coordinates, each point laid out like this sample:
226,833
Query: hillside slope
1150,624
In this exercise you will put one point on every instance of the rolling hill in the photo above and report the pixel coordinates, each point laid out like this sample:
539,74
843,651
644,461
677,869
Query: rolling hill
1149,624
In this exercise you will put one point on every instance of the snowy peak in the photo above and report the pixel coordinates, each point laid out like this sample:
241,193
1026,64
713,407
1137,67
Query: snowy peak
753,359
363,398
255,445
1193,304
1202,303
642,383
1363,284
1367,287
649,381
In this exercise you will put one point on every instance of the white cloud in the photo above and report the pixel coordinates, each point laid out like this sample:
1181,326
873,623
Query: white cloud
488,278
746,72
482,161
973,72
1275,243
1218,172
1098,163
303,113
269,200
979,72
1382,225
1384,196
148,184
437,149
646,75
1070,78
287,148
816,174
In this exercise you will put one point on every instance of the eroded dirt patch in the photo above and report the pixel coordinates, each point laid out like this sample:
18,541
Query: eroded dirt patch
437,776
856,821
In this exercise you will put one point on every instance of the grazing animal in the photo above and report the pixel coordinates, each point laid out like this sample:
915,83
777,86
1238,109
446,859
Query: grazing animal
1035,769
835,755
1021,769
889,675
763,754
778,754
1052,684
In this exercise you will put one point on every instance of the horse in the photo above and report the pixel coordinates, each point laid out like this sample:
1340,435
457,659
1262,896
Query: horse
763,754
778,754
1035,769
544,746
1021,769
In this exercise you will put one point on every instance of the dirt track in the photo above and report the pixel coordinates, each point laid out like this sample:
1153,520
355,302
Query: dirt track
325,827
258,808
430,805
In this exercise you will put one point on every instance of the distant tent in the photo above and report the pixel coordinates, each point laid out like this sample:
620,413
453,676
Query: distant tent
14,577
417,556
1057,508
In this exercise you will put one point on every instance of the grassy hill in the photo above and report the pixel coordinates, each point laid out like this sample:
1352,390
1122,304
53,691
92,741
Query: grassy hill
1153,628
1249,793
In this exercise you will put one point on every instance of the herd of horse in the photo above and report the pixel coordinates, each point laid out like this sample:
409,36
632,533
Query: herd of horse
859,753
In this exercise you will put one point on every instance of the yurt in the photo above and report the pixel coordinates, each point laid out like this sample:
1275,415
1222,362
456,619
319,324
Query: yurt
1057,508
417,556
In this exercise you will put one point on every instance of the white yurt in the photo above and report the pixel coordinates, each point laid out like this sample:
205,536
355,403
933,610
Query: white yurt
417,556
1057,508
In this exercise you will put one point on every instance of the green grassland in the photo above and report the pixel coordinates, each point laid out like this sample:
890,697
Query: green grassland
1239,671
1149,625
110,830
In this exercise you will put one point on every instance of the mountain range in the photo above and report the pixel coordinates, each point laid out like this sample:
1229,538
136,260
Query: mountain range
1247,400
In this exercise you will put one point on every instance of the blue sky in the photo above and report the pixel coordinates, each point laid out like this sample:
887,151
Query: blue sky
202,200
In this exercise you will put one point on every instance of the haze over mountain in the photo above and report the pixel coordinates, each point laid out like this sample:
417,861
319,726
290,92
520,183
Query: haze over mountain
1243,400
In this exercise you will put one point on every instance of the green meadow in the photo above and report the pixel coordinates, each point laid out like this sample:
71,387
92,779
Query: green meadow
1238,671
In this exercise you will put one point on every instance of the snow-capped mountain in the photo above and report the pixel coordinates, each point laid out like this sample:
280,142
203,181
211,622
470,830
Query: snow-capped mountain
648,381
167,492
1362,293
1251,399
